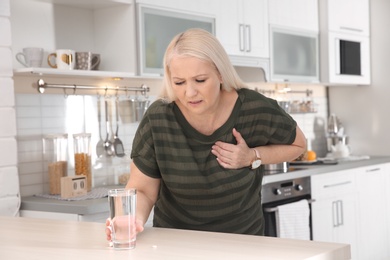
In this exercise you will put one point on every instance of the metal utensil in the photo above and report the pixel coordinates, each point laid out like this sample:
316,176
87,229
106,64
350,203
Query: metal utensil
118,145
107,143
100,144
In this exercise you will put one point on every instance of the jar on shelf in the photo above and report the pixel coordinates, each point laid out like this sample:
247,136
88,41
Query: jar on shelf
55,152
82,157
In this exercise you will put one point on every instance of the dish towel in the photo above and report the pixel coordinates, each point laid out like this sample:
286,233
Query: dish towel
292,220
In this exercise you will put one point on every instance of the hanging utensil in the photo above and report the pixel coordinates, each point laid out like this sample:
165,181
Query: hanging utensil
118,145
107,143
100,144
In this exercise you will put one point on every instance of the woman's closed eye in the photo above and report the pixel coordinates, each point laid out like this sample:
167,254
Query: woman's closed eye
179,83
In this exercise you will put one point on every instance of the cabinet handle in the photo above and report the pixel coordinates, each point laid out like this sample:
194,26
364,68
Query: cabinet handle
337,184
341,213
241,36
373,170
338,213
248,38
334,213
351,29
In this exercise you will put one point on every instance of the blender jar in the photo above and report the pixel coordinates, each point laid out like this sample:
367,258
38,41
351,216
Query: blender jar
55,152
82,157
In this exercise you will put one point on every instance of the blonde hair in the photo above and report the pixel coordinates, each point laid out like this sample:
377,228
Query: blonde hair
203,45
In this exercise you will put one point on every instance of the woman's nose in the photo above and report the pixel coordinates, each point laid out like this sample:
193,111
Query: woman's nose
191,90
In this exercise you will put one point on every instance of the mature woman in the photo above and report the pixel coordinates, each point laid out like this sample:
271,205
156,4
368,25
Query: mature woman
197,151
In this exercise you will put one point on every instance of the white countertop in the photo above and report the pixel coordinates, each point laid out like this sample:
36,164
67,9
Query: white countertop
28,238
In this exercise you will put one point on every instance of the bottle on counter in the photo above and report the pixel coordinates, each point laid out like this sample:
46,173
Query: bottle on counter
82,157
55,152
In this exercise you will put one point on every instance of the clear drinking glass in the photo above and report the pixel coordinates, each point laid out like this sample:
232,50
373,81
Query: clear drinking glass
122,203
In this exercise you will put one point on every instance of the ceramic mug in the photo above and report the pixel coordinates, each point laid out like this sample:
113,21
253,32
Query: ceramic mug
87,61
30,57
64,59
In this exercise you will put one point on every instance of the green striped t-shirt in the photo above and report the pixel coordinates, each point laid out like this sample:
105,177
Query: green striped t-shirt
196,192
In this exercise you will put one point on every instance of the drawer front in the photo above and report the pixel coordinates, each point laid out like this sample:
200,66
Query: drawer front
333,184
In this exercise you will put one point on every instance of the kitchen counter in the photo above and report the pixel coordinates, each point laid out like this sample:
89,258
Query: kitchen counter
94,206
27,238
314,169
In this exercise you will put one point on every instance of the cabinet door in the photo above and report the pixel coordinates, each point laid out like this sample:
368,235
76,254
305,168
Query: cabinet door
205,7
227,26
373,219
334,220
349,16
297,14
242,27
334,211
254,15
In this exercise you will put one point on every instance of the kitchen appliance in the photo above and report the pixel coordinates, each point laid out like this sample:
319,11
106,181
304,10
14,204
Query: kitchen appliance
348,59
335,133
294,55
280,193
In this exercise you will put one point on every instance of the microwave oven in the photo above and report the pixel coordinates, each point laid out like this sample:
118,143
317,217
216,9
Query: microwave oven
346,60
156,27
294,55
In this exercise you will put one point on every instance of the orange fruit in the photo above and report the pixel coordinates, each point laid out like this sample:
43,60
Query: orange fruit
311,155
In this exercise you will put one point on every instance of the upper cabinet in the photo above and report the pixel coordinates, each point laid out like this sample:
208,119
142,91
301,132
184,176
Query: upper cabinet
106,27
294,51
297,14
326,40
242,27
349,16
345,42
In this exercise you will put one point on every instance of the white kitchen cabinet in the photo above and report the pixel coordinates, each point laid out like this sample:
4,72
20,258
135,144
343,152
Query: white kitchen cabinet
373,215
349,16
345,42
297,14
334,210
205,7
242,27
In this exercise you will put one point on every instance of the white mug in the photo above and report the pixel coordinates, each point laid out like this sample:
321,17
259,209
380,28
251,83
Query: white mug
64,59
30,57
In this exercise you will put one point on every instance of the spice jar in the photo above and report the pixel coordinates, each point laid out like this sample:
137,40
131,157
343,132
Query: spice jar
55,152
82,157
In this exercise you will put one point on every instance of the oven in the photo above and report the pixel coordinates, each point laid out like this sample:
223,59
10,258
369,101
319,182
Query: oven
280,193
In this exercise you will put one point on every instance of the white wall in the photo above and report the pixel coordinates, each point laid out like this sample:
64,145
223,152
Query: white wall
9,182
364,111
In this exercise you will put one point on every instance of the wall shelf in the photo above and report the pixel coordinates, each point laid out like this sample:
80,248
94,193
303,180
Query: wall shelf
93,74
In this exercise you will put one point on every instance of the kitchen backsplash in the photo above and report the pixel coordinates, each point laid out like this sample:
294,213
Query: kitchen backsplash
38,115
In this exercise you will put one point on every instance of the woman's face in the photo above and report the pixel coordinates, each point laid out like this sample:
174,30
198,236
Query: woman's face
196,84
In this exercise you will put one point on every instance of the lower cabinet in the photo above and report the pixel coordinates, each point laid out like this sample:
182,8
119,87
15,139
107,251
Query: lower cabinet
374,205
334,210
353,206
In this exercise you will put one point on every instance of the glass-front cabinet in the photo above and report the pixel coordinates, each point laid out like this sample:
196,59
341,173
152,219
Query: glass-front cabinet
155,29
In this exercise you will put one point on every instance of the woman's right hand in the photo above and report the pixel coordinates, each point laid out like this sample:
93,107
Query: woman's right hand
139,227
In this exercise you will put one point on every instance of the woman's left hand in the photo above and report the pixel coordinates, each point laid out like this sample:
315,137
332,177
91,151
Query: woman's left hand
233,156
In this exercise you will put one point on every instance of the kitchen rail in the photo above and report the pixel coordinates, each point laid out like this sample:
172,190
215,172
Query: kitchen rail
42,86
